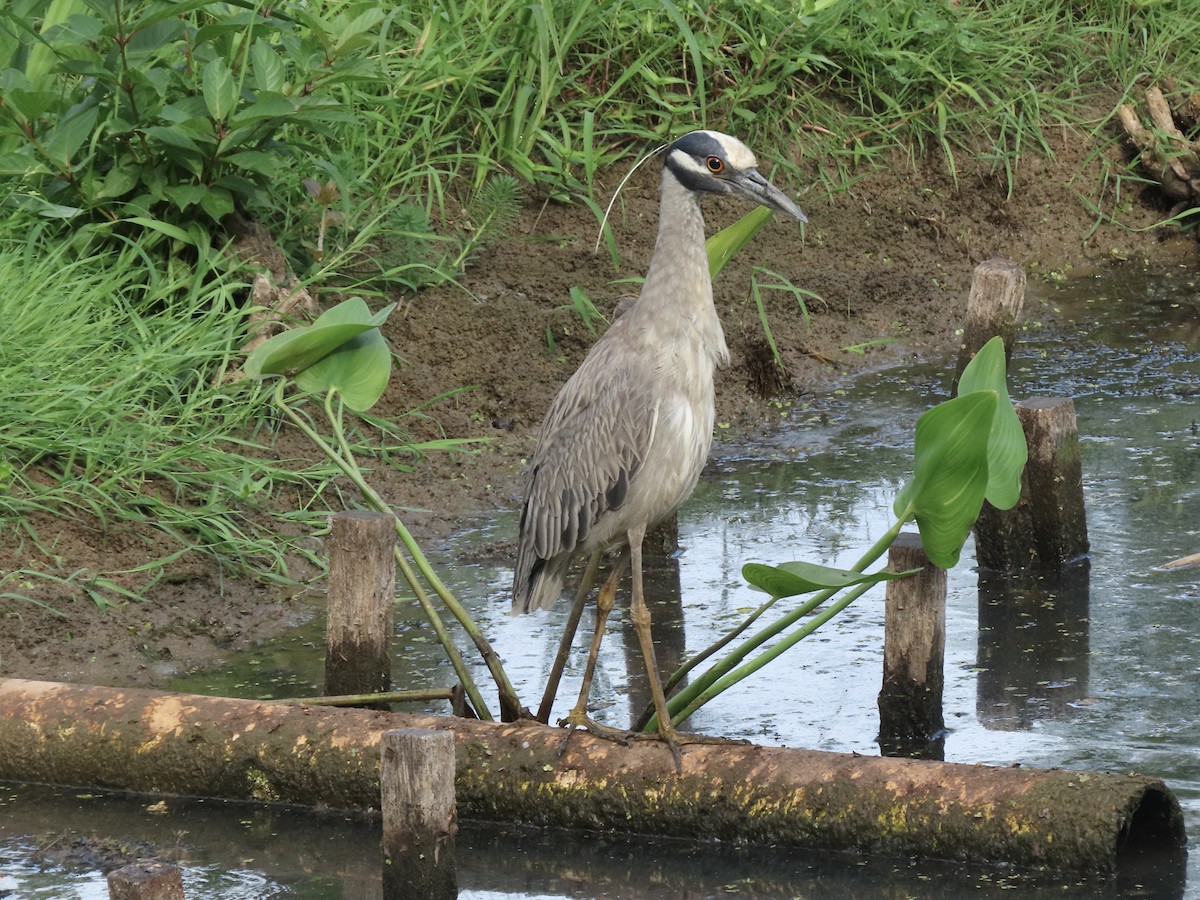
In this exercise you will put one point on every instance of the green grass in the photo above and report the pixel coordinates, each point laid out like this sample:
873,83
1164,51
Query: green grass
115,411
112,346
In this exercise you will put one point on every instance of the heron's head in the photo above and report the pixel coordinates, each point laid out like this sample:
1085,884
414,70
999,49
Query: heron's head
715,163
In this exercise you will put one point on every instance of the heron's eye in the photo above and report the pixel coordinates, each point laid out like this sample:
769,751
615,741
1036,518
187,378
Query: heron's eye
715,164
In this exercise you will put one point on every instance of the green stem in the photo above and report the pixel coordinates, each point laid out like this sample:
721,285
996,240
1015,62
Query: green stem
351,470
416,696
510,706
718,677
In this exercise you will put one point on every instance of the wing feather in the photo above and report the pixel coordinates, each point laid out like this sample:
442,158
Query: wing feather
592,445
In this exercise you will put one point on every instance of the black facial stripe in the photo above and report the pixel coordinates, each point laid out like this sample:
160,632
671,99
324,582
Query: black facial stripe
690,178
698,145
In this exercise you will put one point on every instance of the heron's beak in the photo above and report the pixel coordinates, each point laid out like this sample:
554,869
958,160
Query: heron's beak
753,187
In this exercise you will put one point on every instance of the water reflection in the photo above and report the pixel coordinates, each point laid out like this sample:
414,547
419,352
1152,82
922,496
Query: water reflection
1033,646
231,851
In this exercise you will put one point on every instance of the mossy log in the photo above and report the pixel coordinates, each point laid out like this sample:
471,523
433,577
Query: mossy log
151,741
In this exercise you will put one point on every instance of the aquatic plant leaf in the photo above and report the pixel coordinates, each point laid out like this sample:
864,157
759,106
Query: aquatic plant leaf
792,578
950,474
358,370
1007,451
723,245
293,351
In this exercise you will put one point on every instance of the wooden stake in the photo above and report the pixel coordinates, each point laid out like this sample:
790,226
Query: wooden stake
146,881
1048,527
419,816
994,305
362,587
910,702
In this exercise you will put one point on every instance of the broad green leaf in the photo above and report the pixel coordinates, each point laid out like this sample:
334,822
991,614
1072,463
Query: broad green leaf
118,182
950,474
187,195
358,370
268,67
1007,451
171,231
219,89
265,106
260,162
792,578
217,203
69,133
723,245
178,136
295,350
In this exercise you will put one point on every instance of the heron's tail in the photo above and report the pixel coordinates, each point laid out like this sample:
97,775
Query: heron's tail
537,584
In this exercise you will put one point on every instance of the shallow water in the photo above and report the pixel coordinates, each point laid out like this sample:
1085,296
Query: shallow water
1100,673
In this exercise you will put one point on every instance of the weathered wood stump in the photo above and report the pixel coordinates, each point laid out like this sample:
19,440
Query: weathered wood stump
362,590
419,814
1048,526
914,644
146,881
993,308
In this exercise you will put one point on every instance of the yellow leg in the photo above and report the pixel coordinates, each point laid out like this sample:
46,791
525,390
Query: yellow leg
639,614
578,716
564,647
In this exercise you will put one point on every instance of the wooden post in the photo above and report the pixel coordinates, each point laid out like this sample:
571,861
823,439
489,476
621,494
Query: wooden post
146,881
362,586
993,307
420,822
1048,527
910,702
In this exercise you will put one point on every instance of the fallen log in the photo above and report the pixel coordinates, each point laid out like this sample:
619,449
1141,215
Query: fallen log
157,742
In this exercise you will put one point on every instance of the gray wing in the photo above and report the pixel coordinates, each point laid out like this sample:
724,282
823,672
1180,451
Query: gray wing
592,444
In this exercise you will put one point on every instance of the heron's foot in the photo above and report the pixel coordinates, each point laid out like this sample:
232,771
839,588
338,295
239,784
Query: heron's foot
580,719
676,739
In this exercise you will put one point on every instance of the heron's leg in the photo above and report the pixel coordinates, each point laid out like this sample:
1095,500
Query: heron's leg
639,614
579,715
564,647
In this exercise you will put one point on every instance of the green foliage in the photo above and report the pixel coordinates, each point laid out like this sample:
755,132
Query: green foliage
793,578
581,304
725,244
158,113
117,413
950,474
112,408
342,351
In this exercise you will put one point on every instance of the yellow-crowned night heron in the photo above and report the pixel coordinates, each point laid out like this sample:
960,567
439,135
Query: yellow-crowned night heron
623,443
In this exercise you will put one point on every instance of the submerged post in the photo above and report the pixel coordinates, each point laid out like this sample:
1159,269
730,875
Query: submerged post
146,881
914,644
362,587
993,307
1048,527
420,822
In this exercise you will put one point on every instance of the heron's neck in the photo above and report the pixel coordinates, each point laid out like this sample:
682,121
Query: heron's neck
678,272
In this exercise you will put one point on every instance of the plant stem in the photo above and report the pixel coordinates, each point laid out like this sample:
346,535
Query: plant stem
351,470
725,672
416,696
510,706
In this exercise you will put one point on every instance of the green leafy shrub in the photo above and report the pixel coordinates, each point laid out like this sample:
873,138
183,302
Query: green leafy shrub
161,113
